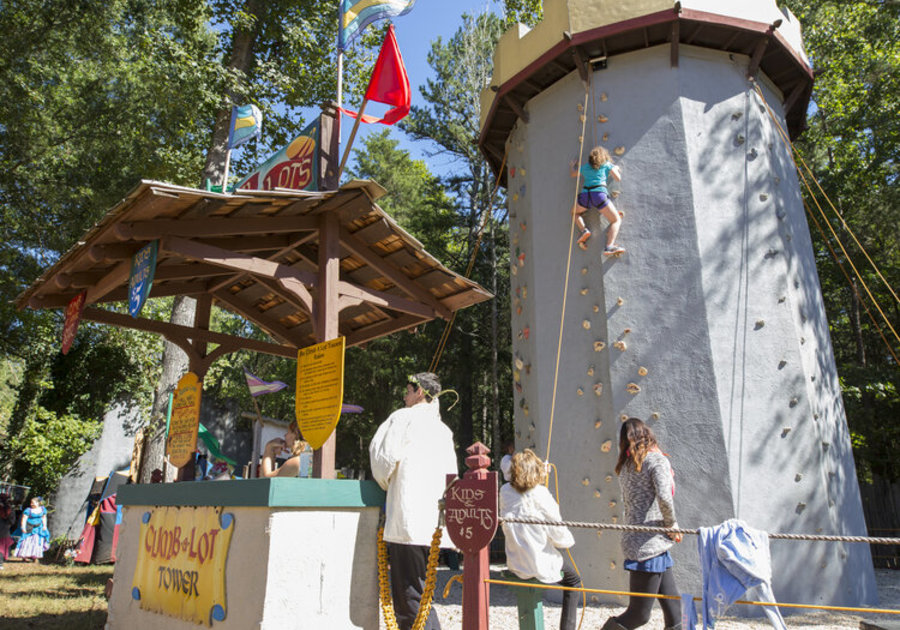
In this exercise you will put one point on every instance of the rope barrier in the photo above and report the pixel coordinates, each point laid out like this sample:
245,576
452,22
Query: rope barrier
694,532
602,591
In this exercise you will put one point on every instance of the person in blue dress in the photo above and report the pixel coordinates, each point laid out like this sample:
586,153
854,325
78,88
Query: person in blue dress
35,538
595,194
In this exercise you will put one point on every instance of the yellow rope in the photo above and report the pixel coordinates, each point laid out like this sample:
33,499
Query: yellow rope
794,152
562,314
387,602
877,611
488,214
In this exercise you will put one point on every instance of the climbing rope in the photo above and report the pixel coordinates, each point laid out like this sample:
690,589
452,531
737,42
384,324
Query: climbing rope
669,530
488,214
387,602
795,155
882,611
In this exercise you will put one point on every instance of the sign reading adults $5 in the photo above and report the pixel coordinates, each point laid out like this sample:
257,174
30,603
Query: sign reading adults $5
320,390
470,511
181,558
143,266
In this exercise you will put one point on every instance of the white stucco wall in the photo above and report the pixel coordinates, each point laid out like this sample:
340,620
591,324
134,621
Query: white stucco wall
721,299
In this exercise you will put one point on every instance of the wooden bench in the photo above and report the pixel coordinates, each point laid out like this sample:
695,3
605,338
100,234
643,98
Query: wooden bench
530,602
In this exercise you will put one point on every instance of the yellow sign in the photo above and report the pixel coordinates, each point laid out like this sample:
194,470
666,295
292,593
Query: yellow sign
181,558
320,390
182,441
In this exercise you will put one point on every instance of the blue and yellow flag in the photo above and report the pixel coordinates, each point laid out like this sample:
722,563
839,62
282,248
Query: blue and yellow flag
358,14
246,124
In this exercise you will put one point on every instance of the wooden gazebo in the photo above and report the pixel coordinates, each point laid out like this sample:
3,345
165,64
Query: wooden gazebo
305,267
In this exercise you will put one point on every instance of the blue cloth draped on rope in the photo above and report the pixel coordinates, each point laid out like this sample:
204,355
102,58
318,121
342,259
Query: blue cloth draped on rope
356,15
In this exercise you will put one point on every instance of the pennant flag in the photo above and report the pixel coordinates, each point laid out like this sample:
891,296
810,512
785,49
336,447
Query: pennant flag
73,316
389,83
348,408
258,386
246,124
295,166
143,268
356,15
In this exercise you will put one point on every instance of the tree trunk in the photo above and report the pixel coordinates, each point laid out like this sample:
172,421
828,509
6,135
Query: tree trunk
856,324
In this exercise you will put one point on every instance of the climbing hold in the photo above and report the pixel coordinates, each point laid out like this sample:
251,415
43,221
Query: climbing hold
585,482
793,402
642,371
594,598
781,364
519,388
584,291
514,270
580,139
605,137
516,375
603,96
515,197
620,346
627,331
654,415
800,507
739,140
580,107
608,478
586,324
522,173
520,335
612,503
601,118
597,493
584,271
788,238
825,446
830,503
526,331
612,565
515,239
798,477
620,150
623,417
763,196
780,214
519,363
524,291
579,391
785,431
598,424
606,446
525,410
523,225
512,171
777,180
596,308
614,519
781,299
518,310
620,301
802,340
598,389
521,258
759,324
736,115
590,370
633,388
815,416
528,368
615,194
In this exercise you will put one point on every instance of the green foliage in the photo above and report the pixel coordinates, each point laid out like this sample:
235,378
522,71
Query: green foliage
873,403
527,12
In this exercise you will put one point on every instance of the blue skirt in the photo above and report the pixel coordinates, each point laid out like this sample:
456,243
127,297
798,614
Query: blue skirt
656,564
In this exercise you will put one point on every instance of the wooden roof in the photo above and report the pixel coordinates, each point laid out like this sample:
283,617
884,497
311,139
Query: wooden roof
257,254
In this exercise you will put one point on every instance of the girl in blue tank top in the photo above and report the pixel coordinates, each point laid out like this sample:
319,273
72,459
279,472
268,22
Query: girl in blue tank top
595,194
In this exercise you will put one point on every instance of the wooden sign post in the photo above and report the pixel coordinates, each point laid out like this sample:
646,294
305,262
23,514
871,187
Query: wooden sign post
470,515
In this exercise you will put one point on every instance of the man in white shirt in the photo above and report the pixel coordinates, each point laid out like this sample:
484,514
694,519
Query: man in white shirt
410,455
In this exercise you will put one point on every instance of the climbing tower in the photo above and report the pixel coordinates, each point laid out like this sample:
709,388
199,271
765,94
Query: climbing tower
711,327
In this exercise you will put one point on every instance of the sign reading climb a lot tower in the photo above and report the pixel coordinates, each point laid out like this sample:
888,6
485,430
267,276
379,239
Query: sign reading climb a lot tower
320,390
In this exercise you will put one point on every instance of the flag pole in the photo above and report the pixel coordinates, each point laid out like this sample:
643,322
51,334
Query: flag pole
352,136
340,90
227,165
257,430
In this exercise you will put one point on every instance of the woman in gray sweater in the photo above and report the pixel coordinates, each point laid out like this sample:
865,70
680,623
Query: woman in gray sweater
648,490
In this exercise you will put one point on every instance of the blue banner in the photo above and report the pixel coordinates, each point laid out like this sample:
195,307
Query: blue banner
143,266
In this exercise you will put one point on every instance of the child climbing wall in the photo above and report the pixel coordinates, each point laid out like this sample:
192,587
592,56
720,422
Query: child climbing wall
595,194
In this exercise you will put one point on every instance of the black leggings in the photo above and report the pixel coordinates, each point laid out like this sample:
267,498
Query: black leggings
638,611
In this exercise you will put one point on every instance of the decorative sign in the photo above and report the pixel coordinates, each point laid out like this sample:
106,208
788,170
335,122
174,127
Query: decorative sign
320,390
294,167
181,559
470,512
143,266
182,440
73,317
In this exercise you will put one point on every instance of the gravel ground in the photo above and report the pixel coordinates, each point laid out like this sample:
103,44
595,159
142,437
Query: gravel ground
503,609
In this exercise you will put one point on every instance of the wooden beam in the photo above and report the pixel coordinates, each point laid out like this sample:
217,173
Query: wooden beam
360,249
795,94
386,300
158,228
187,271
110,281
368,333
170,330
758,51
581,64
112,252
673,51
520,112
268,324
326,319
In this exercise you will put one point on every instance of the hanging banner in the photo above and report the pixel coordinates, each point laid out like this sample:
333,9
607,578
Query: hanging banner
294,167
143,266
182,440
320,390
73,317
181,559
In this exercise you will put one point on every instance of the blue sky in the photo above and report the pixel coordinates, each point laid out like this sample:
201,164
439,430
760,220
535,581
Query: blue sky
415,32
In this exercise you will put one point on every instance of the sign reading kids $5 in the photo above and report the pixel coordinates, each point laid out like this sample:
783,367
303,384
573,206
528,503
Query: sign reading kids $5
180,568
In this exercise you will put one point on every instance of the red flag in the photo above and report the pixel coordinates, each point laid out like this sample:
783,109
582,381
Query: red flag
389,83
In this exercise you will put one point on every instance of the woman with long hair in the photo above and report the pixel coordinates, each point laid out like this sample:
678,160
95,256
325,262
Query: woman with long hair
648,491
298,452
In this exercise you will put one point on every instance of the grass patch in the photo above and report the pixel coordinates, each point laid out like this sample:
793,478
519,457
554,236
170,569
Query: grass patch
52,596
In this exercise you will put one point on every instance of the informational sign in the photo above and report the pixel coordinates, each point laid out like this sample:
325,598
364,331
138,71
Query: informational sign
143,266
294,167
73,317
181,559
182,441
320,390
470,512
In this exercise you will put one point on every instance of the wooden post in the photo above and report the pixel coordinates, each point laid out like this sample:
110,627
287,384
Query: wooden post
326,314
470,514
351,138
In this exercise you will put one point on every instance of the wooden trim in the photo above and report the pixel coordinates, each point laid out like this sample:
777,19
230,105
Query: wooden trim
361,249
374,331
518,109
386,300
170,330
110,281
673,51
272,327
158,228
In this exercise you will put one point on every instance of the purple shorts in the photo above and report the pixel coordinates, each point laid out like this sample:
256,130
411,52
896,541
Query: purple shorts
593,199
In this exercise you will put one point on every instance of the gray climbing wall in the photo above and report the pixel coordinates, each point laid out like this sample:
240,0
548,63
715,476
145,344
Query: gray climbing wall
711,327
